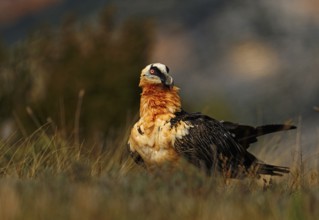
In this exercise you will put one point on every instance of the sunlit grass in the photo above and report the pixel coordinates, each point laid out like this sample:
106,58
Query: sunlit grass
47,176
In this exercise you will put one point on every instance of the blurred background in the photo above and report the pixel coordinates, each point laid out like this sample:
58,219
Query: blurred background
76,64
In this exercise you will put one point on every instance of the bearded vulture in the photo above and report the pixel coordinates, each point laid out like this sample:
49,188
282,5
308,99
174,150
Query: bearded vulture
165,133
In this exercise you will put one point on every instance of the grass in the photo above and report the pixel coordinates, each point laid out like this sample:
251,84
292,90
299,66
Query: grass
51,177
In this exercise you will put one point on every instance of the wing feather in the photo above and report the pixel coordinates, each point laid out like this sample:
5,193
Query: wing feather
210,145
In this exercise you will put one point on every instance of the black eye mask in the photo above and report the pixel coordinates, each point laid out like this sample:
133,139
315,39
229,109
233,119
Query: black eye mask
165,79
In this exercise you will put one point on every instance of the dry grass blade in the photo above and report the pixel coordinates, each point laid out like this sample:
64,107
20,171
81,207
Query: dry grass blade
46,177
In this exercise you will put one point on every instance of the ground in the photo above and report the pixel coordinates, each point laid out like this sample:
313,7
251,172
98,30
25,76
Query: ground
48,177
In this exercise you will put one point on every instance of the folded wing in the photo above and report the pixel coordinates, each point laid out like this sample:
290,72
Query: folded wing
216,146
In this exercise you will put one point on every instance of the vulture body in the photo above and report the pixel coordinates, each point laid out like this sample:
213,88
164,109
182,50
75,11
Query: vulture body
165,133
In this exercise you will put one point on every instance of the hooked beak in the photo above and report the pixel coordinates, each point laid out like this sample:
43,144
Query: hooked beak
167,81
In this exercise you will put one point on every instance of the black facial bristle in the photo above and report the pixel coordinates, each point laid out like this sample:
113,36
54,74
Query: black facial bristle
167,69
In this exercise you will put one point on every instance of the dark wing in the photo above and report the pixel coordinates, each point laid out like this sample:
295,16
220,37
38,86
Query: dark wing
211,146
246,135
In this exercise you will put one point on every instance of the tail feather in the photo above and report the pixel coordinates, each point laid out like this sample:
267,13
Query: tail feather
272,170
267,129
246,135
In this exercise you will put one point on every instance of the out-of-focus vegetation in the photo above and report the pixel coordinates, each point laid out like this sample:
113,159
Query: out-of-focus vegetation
82,77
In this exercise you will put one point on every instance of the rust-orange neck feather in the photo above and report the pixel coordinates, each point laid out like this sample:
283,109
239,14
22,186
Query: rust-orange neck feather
159,101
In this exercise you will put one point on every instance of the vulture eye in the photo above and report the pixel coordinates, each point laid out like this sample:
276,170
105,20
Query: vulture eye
152,71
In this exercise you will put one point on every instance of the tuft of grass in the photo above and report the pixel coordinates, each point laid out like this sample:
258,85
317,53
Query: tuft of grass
47,176
42,153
